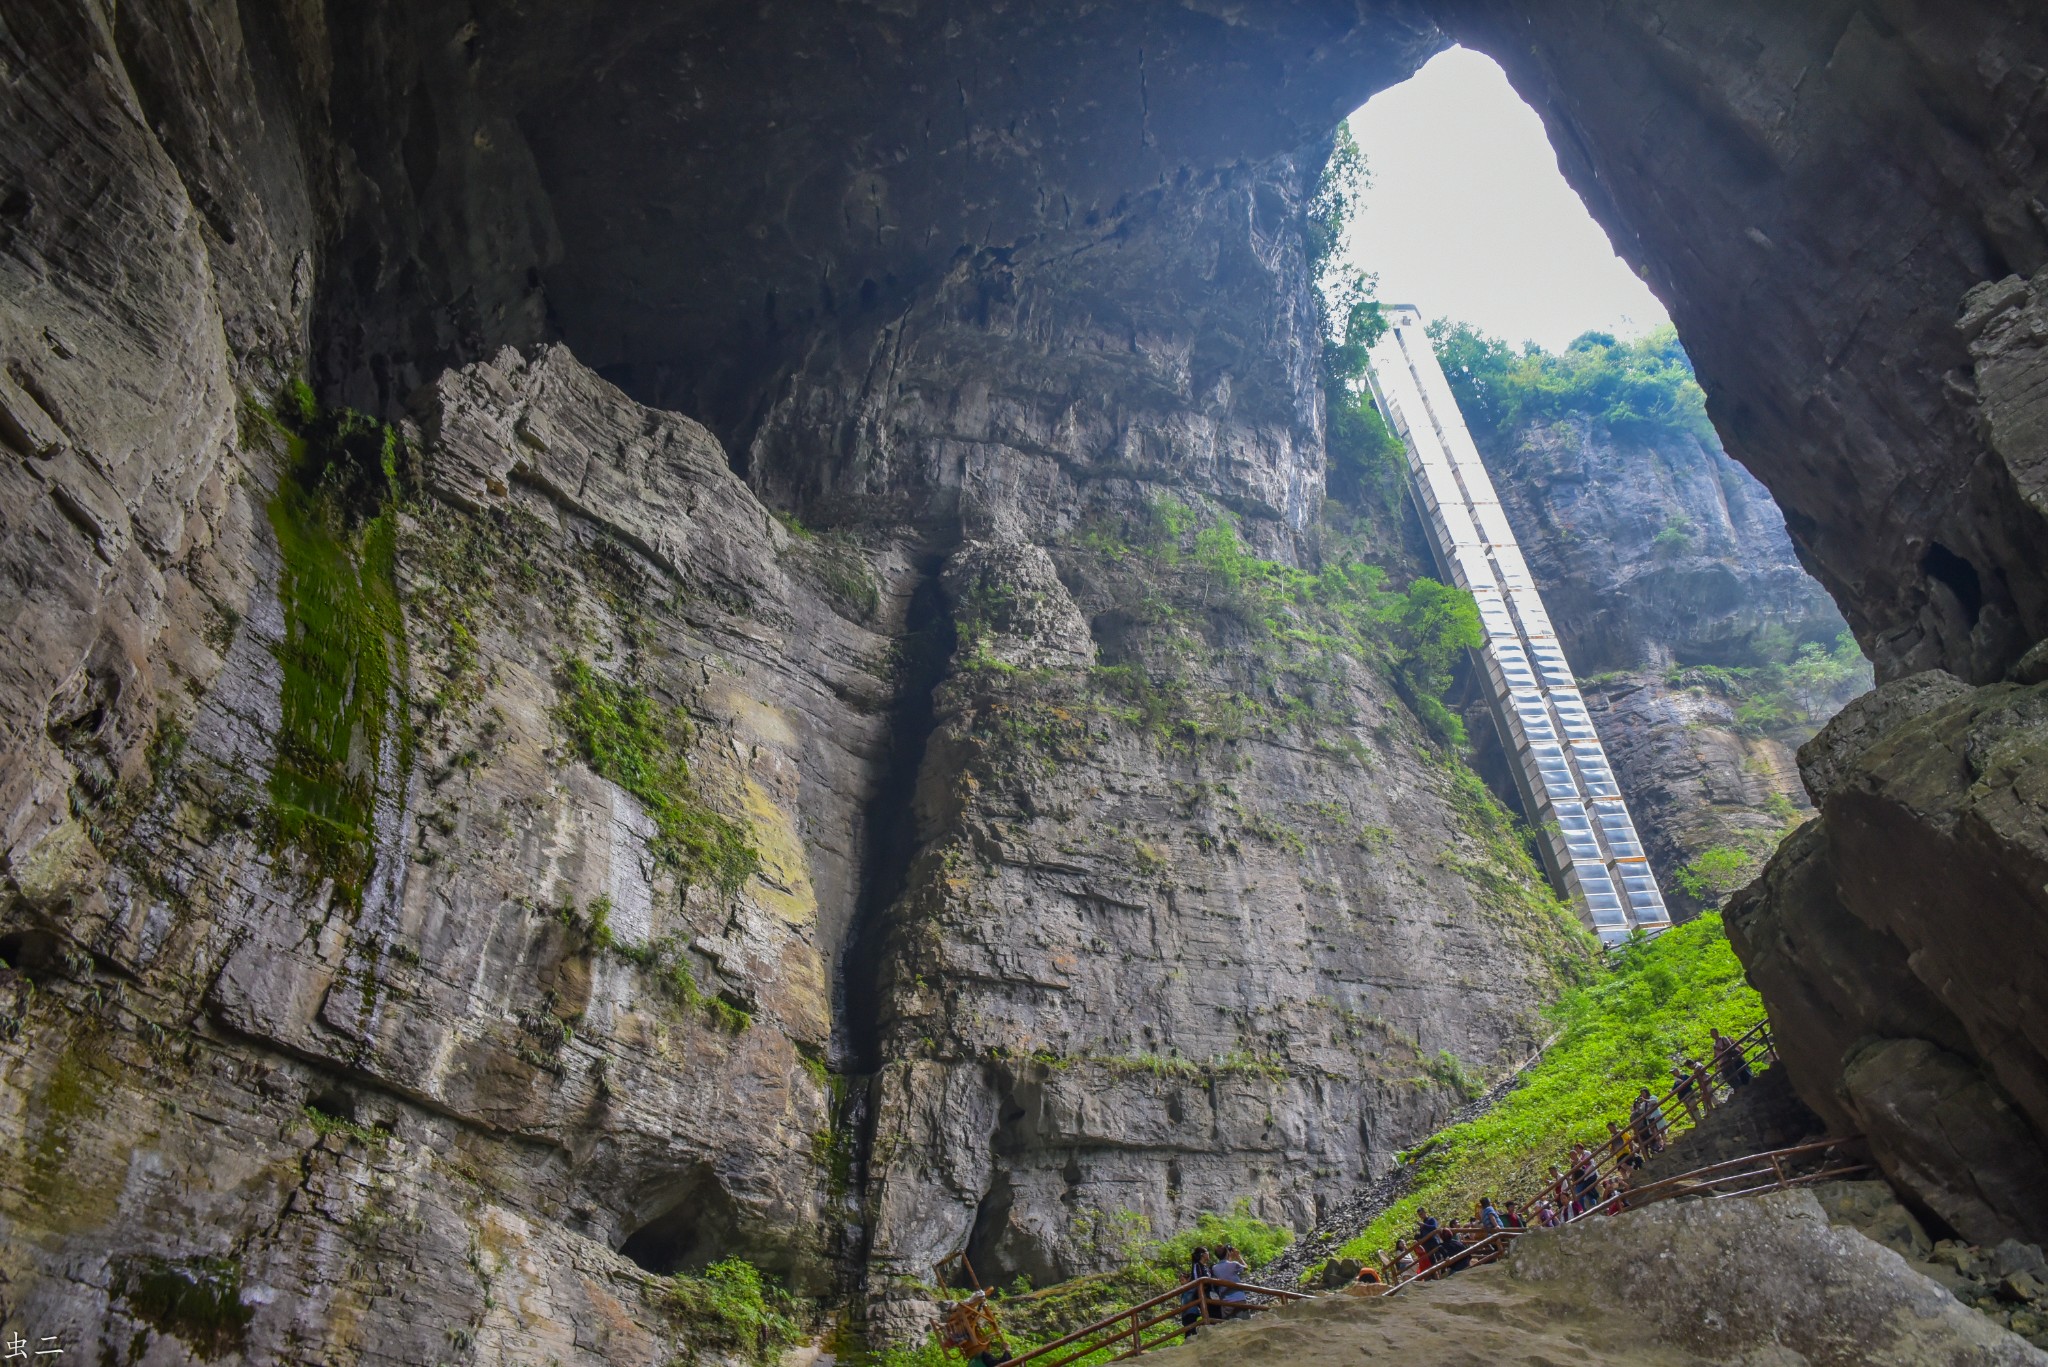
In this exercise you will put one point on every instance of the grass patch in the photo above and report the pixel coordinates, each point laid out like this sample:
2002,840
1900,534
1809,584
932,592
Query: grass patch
1790,689
669,963
1619,1035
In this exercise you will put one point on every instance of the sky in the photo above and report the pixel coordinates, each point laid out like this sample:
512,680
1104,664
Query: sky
1467,216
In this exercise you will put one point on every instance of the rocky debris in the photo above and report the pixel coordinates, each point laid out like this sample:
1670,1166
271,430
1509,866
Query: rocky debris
1339,1273
1897,942
1342,1221
1682,1284
2005,1283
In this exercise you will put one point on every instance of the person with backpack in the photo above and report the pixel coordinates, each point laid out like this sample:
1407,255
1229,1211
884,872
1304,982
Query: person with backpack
1686,1090
1194,1300
1729,1062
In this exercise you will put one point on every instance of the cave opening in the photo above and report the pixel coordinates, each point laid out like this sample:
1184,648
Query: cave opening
35,954
1957,575
694,1223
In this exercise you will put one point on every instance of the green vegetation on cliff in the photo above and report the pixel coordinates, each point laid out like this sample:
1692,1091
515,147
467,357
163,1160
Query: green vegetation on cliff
1300,624
1640,388
1618,1034
728,1311
1789,689
344,736
625,738
1365,467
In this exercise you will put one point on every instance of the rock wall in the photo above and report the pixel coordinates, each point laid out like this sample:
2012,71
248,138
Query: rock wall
1657,553
381,978
351,1008
1893,940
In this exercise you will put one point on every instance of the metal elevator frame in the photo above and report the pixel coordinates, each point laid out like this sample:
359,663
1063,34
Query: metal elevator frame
1587,838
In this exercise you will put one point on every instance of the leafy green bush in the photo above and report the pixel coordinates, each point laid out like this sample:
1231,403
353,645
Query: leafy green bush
1618,1035
1716,872
1364,456
1638,388
1259,1241
728,1306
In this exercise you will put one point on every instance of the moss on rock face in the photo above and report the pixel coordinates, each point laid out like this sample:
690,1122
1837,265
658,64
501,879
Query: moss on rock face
622,735
345,735
199,1300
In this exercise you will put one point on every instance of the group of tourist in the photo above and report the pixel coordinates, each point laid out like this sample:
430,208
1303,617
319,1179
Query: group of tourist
1437,1249
1587,1184
1209,1303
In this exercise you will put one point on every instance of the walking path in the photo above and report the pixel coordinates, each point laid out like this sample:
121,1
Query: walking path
1590,1182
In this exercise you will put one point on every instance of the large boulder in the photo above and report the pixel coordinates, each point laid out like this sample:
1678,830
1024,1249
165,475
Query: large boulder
1901,939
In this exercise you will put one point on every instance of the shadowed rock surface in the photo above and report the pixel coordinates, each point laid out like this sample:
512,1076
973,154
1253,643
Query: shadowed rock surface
1896,943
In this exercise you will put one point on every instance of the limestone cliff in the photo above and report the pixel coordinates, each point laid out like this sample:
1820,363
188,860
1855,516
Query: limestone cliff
1680,604
462,873
446,880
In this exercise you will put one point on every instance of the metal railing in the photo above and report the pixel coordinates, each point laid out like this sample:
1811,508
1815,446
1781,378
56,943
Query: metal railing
1580,1190
1670,1114
1207,1298
1749,1176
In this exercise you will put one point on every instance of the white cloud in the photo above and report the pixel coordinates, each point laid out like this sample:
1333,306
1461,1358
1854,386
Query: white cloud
1468,217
